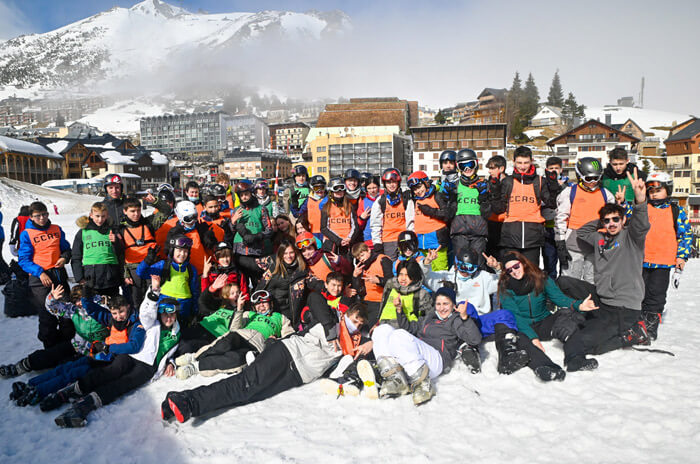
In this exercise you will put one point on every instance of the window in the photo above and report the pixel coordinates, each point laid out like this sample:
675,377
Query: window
421,156
322,169
686,174
321,159
436,167
436,156
422,167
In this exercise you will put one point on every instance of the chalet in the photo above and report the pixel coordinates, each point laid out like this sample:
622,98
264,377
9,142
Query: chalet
548,115
683,158
592,138
491,107
74,153
630,127
150,166
28,161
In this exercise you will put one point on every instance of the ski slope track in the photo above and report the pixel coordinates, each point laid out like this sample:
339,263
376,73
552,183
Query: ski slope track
636,407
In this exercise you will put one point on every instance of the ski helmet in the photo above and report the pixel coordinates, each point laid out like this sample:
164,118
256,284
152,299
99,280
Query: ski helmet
300,170
218,191
113,179
391,174
318,183
417,178
336,184
221,246
186,213
352,174
180,241
364,177
166,186
168,306
243,186
448,155
407,241
660,179
167,196
260,296
467,159
261,183
304,240
467,261
589,169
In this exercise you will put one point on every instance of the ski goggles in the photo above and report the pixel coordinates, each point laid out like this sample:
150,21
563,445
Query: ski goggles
307,242
654,186
189,219
166,307
614,219
415,182
594,178
469,268
463,165
166,186
182,242
338,188
261,296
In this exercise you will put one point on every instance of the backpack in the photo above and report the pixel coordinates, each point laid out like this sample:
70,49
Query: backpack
382,200
574,188
17,294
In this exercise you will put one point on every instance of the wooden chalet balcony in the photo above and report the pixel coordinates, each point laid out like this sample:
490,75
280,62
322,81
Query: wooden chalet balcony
575,139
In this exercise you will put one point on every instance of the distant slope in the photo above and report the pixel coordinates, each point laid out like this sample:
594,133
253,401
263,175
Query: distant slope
646,118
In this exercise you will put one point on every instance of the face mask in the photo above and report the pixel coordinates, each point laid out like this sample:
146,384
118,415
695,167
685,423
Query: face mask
192,199
352,328
441,318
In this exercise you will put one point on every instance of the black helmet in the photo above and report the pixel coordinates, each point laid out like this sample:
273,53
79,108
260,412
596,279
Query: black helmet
166,196
319,181
261,183
467,261
448,155
364,177
336,184
352,174
218,190
589,169
300,170
243,186
221,246
466,158
408,241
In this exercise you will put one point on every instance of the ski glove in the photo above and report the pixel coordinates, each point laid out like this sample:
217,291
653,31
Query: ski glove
99,347
676,278
563,254
566,324
152,256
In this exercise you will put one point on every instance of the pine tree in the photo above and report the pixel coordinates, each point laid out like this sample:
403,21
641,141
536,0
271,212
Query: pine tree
439,117
571,109
531,100
556,94
513,102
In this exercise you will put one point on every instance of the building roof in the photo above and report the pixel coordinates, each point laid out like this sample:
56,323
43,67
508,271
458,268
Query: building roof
554,109
456,126
686,133
498,93
28,148
551,142
61,146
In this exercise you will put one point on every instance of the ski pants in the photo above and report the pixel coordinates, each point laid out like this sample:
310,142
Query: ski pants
580,266
121,376
4,268
549,253
52,329
270,374
227,352
494,236
487,322
573,346
476,243
655,288
51,357
409,351
138,290
249,266
193,338
57,378
374,310
391,249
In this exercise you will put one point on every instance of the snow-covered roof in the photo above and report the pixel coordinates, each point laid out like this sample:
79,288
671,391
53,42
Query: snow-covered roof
59,146
114,157
122,174
22,146
62,182
106,146
159,158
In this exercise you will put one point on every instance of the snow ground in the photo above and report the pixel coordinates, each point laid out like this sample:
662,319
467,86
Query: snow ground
637,407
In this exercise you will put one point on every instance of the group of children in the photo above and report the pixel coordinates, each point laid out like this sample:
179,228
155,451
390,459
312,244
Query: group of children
370,287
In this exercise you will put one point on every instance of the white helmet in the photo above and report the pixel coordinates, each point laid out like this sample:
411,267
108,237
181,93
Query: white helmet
186,213
661,178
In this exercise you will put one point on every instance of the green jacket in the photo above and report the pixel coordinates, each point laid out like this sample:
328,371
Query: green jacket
532,308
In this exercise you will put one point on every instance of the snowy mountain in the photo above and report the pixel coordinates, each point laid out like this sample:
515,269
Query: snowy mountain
149,36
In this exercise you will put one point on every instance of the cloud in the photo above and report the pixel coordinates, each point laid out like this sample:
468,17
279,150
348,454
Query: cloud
13,22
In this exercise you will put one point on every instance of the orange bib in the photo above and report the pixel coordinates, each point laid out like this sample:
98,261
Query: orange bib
47,245
338,222
661,244
117,337
394,221
523,205
321,269
372,290
348,342
134,253
424,224
162,234
585,208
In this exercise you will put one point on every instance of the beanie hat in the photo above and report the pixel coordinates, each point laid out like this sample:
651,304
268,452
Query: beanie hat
508,256
448,292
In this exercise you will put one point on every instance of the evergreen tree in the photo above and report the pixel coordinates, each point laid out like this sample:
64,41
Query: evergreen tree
556,94
439,117
571,110
531,100
513,103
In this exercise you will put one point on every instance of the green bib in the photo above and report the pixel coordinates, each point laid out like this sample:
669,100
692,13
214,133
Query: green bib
252,218
89,328
97,249
303,195
613,184
267,325
467,201
178,286
166,343
389,310
218,323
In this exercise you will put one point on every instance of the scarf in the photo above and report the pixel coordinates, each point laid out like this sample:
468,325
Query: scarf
520,287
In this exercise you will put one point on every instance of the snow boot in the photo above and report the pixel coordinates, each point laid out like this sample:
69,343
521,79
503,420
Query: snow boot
180,405
70,393
18,389
15,370
636,335
369,379
471,357
394,383
30,397
185,359
510,358
421,386
76,416
581,363
651,321
549,373
187,371
347,385
165,412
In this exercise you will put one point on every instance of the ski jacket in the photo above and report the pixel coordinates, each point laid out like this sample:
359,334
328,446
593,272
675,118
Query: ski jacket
251,231
312,352
41,247
365,225
612,181
87,329
669,223
531,308
159,346
476,289
444,335
288,292
297,199
617,260
115,209
416,301
177,280
135,331
203,243
379,266
576,207
336,226
232,276
94,258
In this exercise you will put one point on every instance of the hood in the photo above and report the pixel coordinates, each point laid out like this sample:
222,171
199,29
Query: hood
393,283
527,177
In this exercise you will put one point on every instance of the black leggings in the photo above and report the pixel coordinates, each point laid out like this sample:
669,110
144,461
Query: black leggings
51,357
193,338
227,353
272,372
121,376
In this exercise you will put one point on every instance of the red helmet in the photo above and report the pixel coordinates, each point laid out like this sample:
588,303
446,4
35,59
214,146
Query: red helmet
391,174
111,179
305,239
416,178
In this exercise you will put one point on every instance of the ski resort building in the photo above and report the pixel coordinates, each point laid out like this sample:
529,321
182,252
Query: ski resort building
192,133
251,164
245,132
29,162
289,138
548,115
683,159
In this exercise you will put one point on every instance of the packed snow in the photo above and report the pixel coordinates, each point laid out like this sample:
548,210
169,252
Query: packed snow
122,117
636,407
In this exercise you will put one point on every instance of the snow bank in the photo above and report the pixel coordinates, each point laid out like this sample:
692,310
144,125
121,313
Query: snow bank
637,407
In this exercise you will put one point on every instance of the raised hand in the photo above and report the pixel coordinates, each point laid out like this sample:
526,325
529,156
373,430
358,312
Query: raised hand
56,292
218,283
620,194
491,261
587,304
155,282
462,310
640,188
207,266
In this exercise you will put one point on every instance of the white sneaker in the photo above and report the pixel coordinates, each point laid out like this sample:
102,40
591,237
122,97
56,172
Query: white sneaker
343,364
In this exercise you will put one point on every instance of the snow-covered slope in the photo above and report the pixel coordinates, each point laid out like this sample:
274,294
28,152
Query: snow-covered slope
646,118
637,407
123,117
128,41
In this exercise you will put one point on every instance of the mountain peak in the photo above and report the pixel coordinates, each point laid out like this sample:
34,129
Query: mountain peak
156,8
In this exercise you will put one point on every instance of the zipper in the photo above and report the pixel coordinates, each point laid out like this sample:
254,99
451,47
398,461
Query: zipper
529,303
522,235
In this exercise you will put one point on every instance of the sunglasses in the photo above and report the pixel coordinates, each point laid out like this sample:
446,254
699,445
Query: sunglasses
166,308
466,165
514,267
307,242
591,178
614,219
261,296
